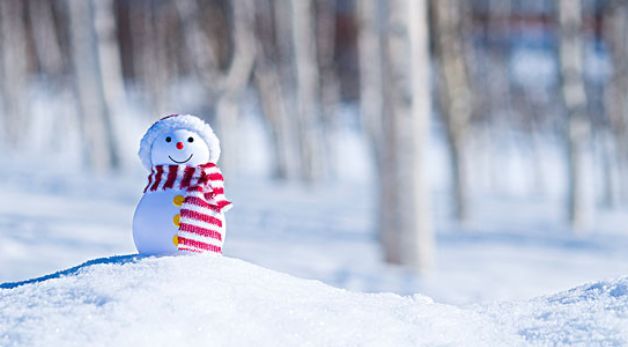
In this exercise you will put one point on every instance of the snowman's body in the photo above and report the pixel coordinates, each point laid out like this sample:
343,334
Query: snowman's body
178,149
155,223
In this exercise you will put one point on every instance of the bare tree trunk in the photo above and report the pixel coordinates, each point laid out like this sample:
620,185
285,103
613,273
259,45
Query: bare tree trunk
306,67
283,22
149,56
139,24
14,69
282,13
329,86
236,79
93,109
45,37
615,100
271,99
271,94
204,55
109,53
575,102
454,95
609,167
372,113
407,99
371,76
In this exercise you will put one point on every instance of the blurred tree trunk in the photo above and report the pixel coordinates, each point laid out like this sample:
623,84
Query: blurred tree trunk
202,51
109,53
372,113
371,76
271,94
406,130
615,101
46,38
283,23
266,80
574,99
236,79
329,86
282,13
94,112
149,56
308,115
13,52
454,95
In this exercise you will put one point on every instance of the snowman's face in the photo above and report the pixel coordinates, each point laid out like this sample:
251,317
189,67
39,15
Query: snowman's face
179,147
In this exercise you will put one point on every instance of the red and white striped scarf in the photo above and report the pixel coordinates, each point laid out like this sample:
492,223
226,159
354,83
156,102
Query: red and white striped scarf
201,222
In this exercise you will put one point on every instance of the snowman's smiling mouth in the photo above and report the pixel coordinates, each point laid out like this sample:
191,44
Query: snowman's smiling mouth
182,162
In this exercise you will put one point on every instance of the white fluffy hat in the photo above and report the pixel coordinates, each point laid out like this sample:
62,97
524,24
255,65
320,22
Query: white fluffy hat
174,122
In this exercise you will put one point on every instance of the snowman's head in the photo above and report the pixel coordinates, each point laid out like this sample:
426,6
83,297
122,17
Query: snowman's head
179,140
179,147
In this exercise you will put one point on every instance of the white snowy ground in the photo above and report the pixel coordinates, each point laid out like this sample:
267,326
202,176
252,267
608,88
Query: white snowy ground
220,301
513,249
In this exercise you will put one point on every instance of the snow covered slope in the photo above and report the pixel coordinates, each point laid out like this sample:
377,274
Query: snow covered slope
207,300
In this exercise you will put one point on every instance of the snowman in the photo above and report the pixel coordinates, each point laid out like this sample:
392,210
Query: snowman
183,206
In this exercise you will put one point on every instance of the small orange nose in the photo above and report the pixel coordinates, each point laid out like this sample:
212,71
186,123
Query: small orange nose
179,145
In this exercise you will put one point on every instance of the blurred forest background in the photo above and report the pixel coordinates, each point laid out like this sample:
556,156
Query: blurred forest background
525,97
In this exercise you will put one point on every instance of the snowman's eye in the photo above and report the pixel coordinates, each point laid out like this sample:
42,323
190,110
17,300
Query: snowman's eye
190,139
168,139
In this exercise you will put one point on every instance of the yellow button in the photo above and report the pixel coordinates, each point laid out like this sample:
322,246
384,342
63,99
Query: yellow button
175,240
176,219
178,200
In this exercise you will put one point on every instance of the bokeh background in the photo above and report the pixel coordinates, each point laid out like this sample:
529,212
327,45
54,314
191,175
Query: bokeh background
468,150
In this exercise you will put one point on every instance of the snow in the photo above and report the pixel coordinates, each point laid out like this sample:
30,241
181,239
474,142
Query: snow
50,221
200,300
197,300
487,273
592,314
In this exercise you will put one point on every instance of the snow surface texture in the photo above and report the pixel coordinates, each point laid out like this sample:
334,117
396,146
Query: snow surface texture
210,300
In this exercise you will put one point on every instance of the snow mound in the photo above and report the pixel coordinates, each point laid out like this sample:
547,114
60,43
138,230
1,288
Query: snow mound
593,314
209,300
205,300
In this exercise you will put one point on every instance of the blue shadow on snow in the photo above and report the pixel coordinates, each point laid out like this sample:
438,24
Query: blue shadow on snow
119,259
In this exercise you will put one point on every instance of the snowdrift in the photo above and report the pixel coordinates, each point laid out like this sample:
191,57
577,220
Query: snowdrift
208,300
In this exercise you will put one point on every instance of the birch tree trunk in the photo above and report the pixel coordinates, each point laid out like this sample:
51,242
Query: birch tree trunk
372,113
407,109
268,82
283,23
308,115
575,102
201,49
282,13
329,86
271,99
371,78
236,79
46,38
100,153
14,69
615,99
454,96
149,56
109,53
